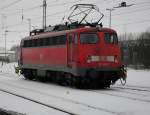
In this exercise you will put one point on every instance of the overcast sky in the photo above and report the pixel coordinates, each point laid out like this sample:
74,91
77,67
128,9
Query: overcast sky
15,15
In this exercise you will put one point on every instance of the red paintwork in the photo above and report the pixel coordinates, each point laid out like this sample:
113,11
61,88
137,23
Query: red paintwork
52,56
100,49
60,56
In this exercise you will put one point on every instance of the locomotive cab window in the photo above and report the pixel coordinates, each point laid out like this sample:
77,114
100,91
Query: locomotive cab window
89,38
111,38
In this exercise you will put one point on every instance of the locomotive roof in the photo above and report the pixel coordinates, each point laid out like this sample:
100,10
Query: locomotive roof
79,30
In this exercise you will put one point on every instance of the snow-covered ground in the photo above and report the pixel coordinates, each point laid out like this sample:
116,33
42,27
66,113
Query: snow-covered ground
119,100
138,77
7,67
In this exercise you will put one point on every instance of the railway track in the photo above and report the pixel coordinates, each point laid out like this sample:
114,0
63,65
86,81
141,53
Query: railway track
38,102
57,97
137,88
118,90
6,112
126,93
129,87
134,92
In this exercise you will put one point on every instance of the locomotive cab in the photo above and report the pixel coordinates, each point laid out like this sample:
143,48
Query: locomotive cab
99,49
98,55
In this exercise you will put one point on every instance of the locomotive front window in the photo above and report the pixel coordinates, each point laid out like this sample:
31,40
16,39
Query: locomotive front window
89,38
111,38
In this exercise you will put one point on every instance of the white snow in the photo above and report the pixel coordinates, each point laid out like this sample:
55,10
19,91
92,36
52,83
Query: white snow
7,67
10,102
138,77
85,102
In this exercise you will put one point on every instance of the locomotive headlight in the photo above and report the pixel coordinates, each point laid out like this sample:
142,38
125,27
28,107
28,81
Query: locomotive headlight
110,58
107,58
102,58
93,59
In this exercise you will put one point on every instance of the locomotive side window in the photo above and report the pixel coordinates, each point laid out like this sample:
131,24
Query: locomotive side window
111,38
35,42
58,40
41,41
75,39
71,39
49,41
25,43
89,38
63,40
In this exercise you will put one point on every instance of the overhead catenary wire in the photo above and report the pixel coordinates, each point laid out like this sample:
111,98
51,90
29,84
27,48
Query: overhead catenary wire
9,5
65,3
58,13
38,18
52,5
132,11
39,6
128,13
35,7
57,4
135,22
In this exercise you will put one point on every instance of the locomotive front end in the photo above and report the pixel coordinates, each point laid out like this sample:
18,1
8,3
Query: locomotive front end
100,57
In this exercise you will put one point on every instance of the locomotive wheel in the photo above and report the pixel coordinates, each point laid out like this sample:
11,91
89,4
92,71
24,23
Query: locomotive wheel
60,79
42,78
78,82
28,74
69,79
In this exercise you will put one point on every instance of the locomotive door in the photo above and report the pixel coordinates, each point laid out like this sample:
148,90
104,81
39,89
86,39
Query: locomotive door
72,49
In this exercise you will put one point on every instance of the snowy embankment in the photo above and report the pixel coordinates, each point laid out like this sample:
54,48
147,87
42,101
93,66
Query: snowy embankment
8,67
14,105
118,101
138,77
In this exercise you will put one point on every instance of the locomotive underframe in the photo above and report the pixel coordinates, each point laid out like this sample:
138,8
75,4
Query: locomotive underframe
79,77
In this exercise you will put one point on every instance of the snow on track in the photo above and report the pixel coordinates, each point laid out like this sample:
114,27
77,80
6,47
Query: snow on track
38,102
133,99
52,99
11,102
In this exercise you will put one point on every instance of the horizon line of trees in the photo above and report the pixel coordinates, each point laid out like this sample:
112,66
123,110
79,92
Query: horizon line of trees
136,49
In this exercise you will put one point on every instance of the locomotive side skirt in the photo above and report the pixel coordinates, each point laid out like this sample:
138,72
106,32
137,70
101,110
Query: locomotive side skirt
75,71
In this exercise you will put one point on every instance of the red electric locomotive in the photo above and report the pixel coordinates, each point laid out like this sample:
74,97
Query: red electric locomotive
74,54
